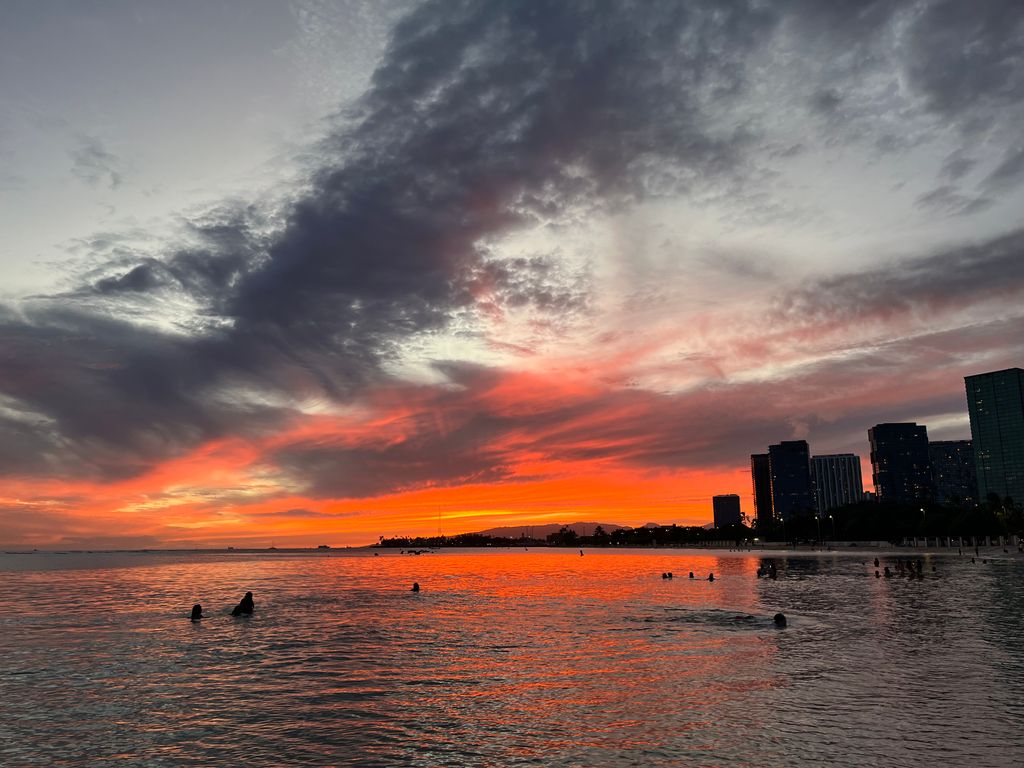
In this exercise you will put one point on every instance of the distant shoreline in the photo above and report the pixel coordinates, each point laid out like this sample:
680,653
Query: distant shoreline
761,546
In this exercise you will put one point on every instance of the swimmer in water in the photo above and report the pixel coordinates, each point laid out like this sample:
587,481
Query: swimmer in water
691,574
197,612
415,587
245,606
779,619
711,577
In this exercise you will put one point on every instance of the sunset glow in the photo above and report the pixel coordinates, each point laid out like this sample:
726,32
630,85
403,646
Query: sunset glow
315,273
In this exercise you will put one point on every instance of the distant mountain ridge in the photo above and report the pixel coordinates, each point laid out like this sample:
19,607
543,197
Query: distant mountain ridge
542,531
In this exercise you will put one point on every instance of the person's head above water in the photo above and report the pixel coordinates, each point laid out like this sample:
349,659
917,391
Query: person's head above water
197,612
779,619
415,586
245,606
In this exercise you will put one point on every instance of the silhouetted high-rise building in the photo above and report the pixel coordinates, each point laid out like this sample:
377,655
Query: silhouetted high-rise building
790,465
996,404
953,473
761,476
899,462
726,509
837,480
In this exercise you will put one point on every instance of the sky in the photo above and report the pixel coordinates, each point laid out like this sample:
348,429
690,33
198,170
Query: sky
293,273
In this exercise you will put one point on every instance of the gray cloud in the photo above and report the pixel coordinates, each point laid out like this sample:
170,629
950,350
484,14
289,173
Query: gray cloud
94,164
957,165
966,57
1009,173
826,101
481,118
948,279
947,199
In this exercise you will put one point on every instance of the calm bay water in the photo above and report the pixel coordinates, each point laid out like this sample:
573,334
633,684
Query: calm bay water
509,658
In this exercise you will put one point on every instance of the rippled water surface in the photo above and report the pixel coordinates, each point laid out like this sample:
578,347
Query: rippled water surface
509,658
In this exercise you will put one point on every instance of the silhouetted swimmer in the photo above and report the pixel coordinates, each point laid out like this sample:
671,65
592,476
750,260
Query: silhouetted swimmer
197,612
664,575
245,606
415,587
670,574
972,559
780,620
691,574
878,575
888,573
876,562
711,577
581,553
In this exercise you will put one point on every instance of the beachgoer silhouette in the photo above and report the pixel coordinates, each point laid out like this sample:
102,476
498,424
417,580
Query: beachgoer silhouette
581,553
415,586
779,619
876,562
197,612
888,573
245,606
877,574
691,574
670,574
711,577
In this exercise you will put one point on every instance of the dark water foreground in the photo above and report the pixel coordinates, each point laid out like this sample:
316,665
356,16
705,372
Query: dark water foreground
509,658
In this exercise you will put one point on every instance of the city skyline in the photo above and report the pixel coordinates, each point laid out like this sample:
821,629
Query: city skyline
314,272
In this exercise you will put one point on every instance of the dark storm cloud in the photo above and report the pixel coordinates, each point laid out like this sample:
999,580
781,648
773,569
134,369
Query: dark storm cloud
967,56
827,101
481,116
952,278
94,164
108,398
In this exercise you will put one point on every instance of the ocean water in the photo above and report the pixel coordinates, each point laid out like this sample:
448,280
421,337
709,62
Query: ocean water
509,658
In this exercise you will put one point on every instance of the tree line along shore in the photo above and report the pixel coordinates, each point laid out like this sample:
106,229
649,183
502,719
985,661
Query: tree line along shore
867,521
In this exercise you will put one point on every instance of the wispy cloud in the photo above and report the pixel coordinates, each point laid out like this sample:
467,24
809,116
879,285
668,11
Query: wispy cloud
94,164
